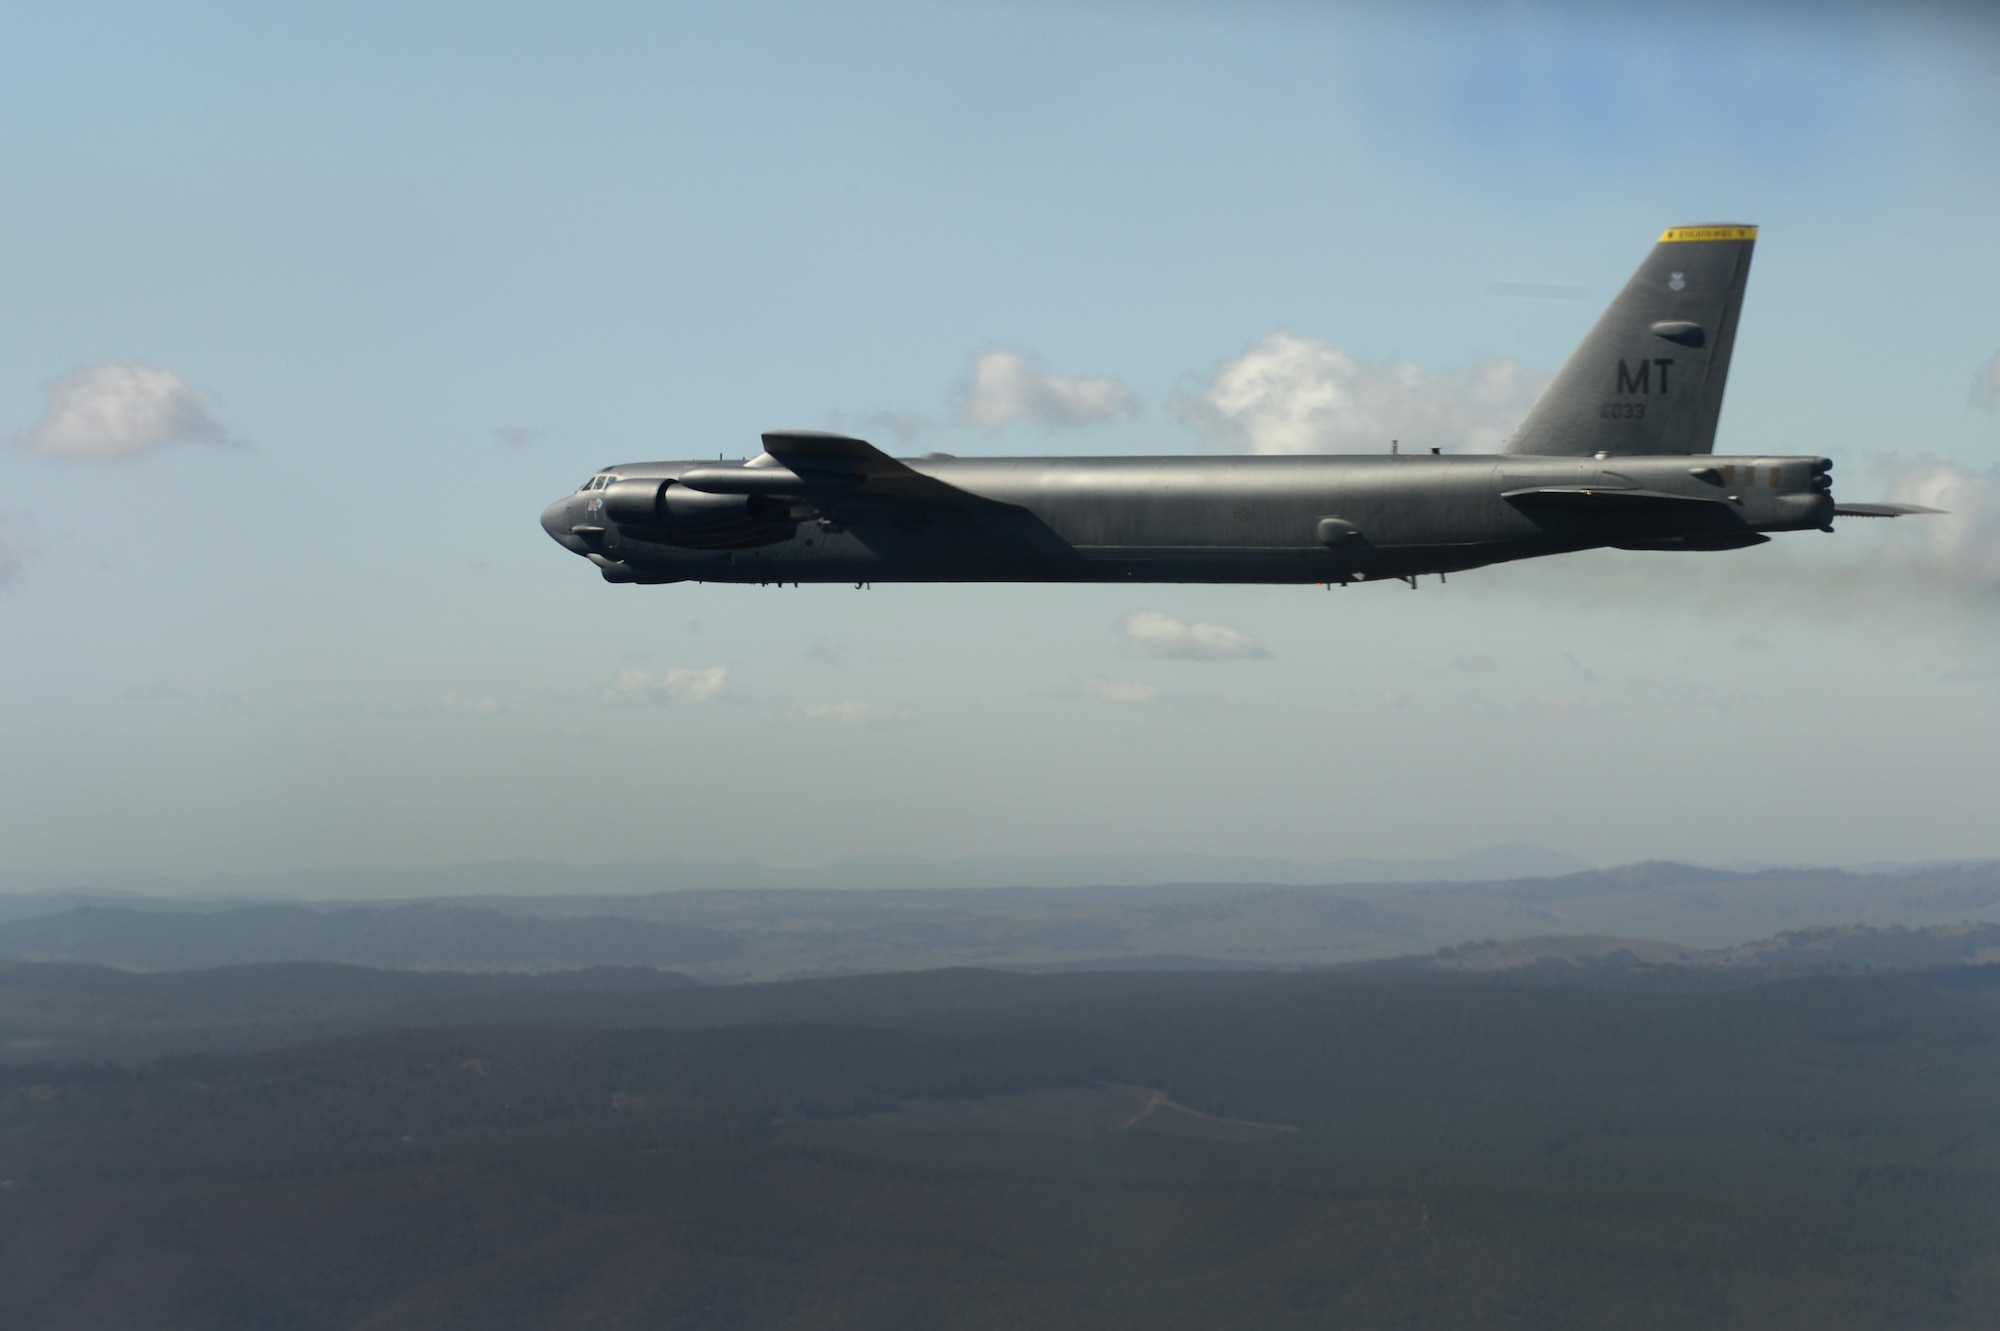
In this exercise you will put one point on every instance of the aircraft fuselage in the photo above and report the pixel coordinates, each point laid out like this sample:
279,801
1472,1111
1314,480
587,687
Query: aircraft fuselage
1617,451
1293,519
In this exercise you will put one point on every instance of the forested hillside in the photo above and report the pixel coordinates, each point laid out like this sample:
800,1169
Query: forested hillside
963,1150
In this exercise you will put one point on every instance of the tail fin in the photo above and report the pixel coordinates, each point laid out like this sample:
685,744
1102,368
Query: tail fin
1648,378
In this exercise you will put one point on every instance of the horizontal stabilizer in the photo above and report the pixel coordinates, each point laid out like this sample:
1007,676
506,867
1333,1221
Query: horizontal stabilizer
1882,510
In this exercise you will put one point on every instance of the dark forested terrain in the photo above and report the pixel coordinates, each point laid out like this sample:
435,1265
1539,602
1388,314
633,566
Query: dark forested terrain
1589,1146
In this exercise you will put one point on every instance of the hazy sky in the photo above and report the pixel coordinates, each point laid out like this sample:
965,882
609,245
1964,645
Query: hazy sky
306,314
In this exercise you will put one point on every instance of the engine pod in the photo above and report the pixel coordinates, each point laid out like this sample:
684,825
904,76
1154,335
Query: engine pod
665,504
633,503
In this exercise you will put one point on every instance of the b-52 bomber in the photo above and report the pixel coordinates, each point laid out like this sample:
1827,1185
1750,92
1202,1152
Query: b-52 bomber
1617,452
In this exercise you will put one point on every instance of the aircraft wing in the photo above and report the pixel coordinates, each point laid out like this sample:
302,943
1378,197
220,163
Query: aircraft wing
875,475
889,505
825,469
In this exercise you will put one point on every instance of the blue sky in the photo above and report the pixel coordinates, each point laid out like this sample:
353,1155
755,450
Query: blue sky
417,269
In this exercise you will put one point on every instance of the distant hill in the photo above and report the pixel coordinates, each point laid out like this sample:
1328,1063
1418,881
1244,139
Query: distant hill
98,1014
421,935
1835,948
858,873
1855,947
101,1014
736,935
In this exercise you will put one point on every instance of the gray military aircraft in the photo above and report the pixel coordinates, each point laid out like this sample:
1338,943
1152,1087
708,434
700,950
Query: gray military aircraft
1614,453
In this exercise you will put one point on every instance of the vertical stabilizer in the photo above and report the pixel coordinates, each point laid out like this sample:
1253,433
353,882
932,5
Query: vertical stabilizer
1649,377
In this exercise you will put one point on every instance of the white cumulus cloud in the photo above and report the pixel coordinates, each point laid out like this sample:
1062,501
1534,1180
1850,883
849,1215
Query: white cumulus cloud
1153,633
1985,392
1290,394
854,712
1962,543
17,545
678,687
459,705
107,412
1005,386
1121,690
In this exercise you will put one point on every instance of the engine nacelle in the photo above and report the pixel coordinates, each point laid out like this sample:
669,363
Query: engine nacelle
666,504
668,513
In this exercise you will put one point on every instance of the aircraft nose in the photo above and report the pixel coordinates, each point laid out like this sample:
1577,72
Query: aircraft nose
556,522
